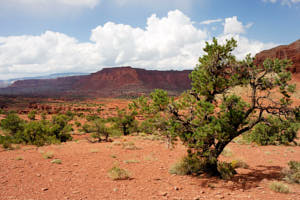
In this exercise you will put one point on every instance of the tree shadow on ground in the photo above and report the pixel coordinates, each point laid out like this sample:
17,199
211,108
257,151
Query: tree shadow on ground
245,179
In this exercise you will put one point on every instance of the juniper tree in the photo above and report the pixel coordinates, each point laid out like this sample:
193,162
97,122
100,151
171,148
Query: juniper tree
210,115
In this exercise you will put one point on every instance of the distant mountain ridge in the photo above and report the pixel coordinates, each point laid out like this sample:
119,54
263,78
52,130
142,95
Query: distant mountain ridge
109,82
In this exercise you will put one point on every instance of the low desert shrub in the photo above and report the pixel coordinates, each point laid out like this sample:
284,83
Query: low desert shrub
292,175
35,132
31,115
48,155
226,170
239,164
56,161
117,173
189,165
279,187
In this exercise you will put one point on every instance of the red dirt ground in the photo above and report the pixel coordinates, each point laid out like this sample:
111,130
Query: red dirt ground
83,173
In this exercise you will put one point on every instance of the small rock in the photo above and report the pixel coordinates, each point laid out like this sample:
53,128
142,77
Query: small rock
197,198
44,189
38,175
176,188
163,193
115,189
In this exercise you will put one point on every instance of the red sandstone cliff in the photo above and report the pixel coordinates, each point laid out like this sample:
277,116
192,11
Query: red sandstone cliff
109,82
291,51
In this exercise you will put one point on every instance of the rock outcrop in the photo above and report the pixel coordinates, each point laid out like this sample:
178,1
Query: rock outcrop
291,51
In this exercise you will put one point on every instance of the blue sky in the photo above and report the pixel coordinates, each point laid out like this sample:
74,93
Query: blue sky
40,37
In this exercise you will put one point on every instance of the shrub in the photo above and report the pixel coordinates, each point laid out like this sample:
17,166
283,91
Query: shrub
279,187
292,175
101,130
12,123
226,170
48,155
116,173
56,161
87,128
92,117
77,124
31,115
189,165
35,132
239,164
126,122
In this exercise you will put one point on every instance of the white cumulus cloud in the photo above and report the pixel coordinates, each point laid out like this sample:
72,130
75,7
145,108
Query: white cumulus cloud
45,3
284,2
171,42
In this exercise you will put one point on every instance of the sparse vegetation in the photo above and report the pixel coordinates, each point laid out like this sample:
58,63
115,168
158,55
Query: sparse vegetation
292,175
117,173
48,155
56,161
279,187
35,132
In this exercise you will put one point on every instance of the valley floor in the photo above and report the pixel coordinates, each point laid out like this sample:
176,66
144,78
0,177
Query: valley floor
83,173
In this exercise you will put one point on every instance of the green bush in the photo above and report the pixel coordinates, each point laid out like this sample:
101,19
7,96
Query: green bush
189,165
77,124
31,115
226,170
35,132
12,124
101,130
292,175
92,117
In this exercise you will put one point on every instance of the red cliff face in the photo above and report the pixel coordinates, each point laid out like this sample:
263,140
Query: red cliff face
291,51
109,82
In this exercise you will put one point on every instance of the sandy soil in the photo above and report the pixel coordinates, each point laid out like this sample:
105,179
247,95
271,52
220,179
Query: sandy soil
83,173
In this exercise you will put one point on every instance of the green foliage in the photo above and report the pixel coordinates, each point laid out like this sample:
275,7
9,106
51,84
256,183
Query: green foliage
274,131
101,130
35,132
292,175
226,170
126,122
208,117
31,115
77,124
87,128
13,124
92,117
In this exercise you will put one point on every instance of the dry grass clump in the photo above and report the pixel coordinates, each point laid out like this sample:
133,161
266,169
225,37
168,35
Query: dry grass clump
131,161
48,155
129,146
117,173
56,161
239,164
292,175
279,187
227,152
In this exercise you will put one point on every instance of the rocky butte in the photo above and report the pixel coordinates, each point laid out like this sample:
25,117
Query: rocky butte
109,82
